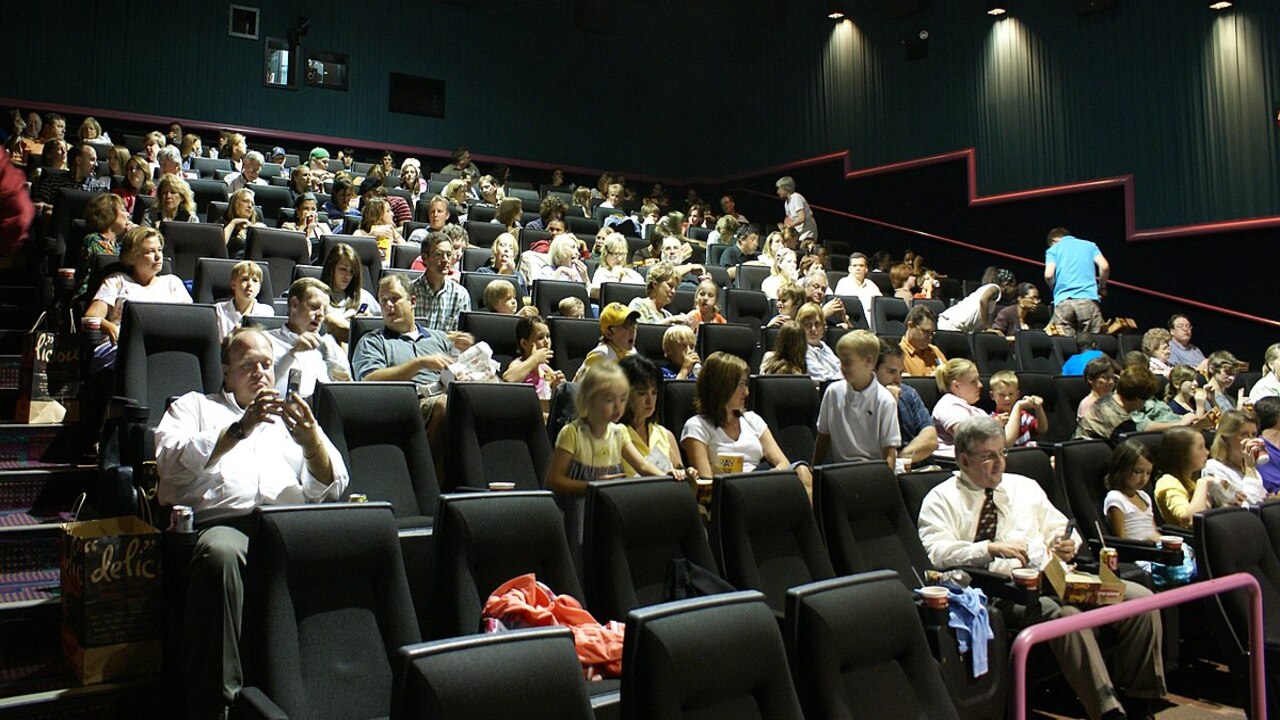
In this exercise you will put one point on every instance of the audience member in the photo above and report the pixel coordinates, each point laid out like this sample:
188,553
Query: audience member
411,179
1181,349
174,203
504,260
903,280
240,215
107,220
1183,394
1023,418
857,285
1111,414
83,160
246,281
170,160
816,289
915,424
1127,505
438,302
1267,410
572,307
136,181
706,308
377,222
788,354
858,418
407,350
533,337
565,261
1182,491
1069,267
190,149
682,362
962,389
655,443
1018,527
142,257
723,424
1100,374
594,446
660,288
224,454
974,312
341,204
299,344
306,220
1086,351
1155,344
500,298
819,358
1014,318
461,165
343,275
1233,457
617,336
784,271
744,250
1269,385
1222,367
920,356
790,298
374,186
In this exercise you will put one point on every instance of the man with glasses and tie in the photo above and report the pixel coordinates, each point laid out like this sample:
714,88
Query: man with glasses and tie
982,517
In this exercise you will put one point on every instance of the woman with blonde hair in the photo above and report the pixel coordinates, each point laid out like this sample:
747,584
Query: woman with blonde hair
376,221
456,193
174,203
91,131
1155,345
1184,490
962,389
190,149
1231,457
1269,385
660,290
564,262
411,179
613,265
784,271
239,216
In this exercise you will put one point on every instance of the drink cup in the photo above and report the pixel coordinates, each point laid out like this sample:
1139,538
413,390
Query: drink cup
67,274
1027,578
1170,542
729,463
704,490
935,596
501,486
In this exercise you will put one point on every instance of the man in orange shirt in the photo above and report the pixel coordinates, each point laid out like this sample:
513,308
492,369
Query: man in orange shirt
920,356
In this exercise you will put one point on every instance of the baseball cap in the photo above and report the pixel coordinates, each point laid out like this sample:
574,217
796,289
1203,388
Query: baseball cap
278,152
370,184
615,314
319,154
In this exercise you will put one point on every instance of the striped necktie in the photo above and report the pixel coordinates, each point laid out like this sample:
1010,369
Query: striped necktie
987,518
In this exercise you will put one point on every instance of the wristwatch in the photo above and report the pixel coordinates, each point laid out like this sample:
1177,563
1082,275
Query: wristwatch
236,431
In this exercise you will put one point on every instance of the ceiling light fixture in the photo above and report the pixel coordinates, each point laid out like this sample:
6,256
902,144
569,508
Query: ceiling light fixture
1220,5
835,9
996,7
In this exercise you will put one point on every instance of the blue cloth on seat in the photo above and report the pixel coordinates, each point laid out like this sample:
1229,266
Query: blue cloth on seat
968,615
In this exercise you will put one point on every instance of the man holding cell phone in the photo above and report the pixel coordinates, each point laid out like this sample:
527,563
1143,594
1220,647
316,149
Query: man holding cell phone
300,346
983,517
224,454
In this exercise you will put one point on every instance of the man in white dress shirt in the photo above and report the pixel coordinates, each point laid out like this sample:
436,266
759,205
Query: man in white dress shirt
224,454
300,345
982,517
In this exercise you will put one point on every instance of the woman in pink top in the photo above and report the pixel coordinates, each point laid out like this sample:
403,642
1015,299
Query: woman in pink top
958,378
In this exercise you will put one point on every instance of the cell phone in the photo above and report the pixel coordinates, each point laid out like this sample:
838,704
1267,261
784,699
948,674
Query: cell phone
1071,527
295,381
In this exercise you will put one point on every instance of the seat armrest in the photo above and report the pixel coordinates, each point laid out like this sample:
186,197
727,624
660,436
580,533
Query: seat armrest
1000,586
1139,551
253,704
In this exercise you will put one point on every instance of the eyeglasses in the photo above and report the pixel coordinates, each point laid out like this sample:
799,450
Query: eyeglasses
991,458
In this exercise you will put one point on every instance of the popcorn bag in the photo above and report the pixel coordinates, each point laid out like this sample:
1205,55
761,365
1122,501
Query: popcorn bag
111,617
1080,588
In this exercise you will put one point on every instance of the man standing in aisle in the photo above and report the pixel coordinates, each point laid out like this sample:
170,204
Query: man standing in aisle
798,214
1069,266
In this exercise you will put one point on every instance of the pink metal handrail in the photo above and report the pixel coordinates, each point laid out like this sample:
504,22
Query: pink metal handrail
1041,632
